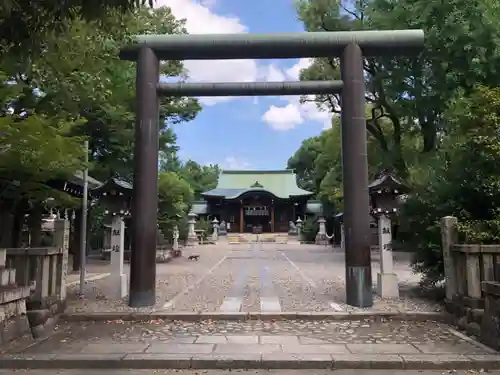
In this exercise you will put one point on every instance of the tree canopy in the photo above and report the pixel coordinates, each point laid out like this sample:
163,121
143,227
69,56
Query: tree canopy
410,95
66,84
431,119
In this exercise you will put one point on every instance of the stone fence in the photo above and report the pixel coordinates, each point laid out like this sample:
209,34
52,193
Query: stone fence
472,283
43,271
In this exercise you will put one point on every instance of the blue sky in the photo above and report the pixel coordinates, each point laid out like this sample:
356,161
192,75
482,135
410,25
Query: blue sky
245,133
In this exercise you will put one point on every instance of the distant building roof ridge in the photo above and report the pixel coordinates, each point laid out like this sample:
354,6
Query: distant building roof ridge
231,184
257,171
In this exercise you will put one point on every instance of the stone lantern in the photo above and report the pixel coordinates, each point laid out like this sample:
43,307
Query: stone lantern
383,193
299,223
321,238
215,226
192,239
116,196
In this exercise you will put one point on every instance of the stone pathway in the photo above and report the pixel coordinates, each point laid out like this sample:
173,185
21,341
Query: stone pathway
253,278
254,344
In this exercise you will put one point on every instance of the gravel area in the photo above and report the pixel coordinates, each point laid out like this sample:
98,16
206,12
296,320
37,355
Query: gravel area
325,267
295,293
171,279
211,291
303,278
72,337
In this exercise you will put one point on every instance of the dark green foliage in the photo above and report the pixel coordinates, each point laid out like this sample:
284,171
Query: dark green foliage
462,180
22,22
309,229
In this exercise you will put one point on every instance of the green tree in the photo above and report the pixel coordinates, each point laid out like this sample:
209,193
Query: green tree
76,88
200,177
85,77
318,163
461,180
175,196
410,94
23,23
36,149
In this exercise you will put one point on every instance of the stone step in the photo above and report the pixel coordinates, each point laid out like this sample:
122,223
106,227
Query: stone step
13,293
7,276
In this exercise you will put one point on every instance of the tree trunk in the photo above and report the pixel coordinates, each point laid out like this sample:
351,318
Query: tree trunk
6,223
17,228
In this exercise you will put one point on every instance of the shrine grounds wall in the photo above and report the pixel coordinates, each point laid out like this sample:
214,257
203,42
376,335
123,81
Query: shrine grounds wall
472,284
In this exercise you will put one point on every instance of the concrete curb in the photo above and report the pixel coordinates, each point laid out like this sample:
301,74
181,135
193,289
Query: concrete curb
95,277
243,316
252,361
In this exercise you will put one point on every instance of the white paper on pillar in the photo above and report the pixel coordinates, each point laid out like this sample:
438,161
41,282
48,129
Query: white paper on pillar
385,243
117,244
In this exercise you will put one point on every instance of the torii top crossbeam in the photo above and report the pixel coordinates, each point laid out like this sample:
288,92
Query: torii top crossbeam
276,45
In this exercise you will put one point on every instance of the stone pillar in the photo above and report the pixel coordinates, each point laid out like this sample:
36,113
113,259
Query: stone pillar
449,237
490,327
3,257
175,238
342,237
192,240
215,232
223,227
387,280
299,223
145,193
61,239
321,235
118,277
356,218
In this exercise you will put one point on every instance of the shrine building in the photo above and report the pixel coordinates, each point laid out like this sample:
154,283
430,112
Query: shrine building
257,201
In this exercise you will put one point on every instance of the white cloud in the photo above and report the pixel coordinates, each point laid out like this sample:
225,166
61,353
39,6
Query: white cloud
232,162
294,113
294,72
201,19
283,118
208,3
273,74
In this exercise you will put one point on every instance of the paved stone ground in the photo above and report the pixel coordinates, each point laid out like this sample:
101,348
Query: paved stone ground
72,337
396,342
253,278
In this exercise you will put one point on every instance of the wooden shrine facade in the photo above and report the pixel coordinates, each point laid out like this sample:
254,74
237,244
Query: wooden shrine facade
256,201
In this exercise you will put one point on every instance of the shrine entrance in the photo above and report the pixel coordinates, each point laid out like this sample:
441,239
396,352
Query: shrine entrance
350,47
258,214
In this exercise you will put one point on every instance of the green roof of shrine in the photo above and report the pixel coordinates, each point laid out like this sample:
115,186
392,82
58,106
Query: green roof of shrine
281,183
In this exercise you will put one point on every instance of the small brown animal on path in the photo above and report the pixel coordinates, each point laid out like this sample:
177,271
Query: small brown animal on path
193,257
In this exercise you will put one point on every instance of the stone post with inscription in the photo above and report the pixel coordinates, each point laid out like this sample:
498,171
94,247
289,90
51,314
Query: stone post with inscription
387,280
118,277
192,239
61,239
